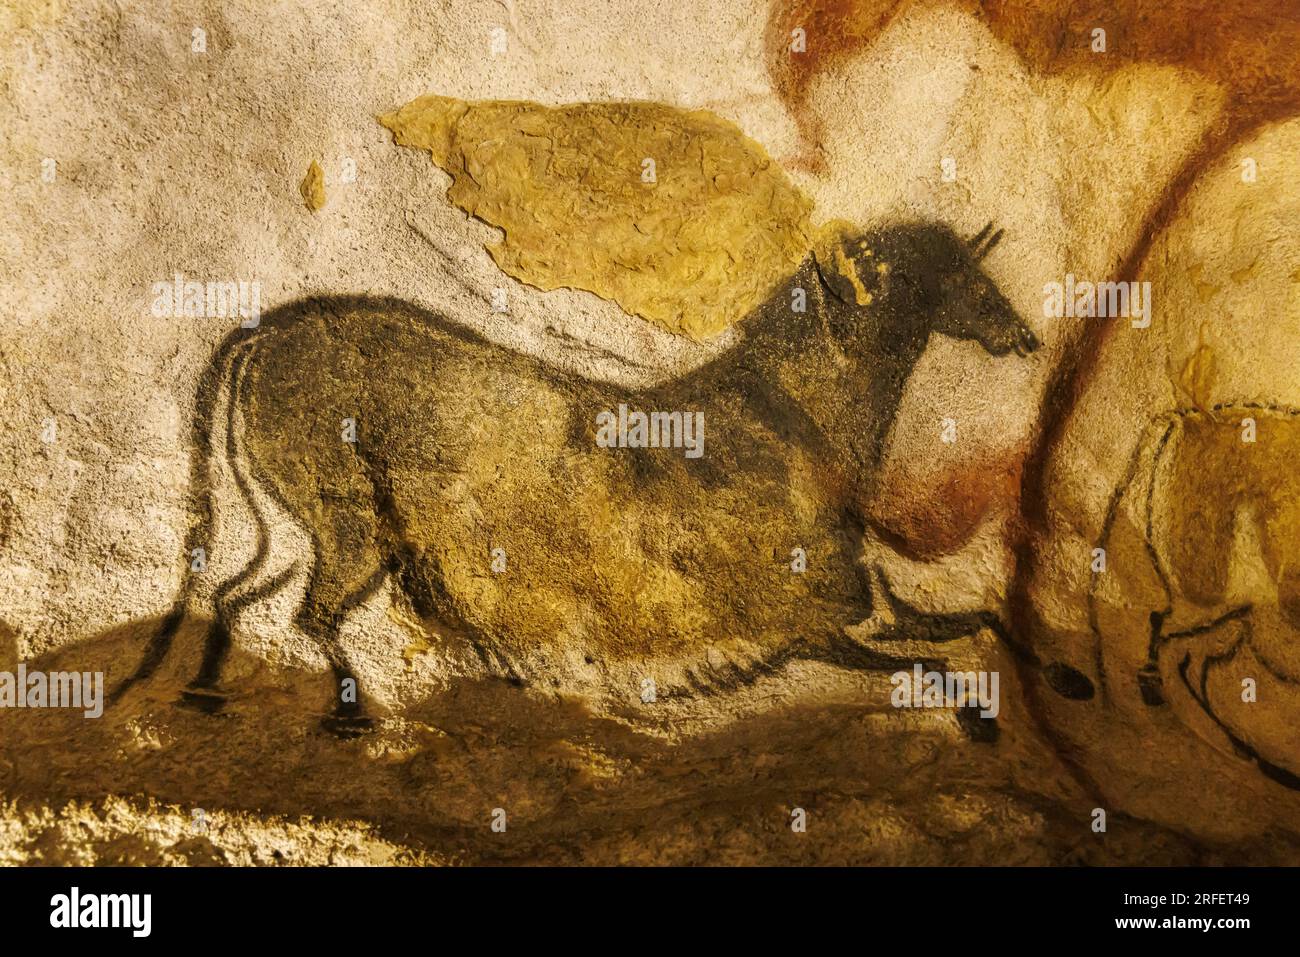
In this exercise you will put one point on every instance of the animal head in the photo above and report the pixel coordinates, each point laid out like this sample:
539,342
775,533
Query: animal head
969,304
923,278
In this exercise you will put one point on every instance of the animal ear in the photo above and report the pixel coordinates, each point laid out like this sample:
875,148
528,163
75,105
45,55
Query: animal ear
979,249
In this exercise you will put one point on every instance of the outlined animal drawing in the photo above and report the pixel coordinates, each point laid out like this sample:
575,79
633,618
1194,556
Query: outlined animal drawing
477,482
1210,508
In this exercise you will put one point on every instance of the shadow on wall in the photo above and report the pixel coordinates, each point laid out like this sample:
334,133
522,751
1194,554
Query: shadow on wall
576,786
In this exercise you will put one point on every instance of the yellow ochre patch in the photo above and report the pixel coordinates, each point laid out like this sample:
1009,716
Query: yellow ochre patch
675,215
313,187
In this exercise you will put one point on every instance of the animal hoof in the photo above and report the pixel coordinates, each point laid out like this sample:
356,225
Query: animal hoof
348,725
207,700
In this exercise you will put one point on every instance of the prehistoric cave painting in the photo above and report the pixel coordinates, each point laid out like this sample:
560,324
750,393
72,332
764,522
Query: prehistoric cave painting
1249,49
1247,55
1210,493
478,478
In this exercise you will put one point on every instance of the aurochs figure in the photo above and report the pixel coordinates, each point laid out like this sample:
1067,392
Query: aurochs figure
1203,537
477,482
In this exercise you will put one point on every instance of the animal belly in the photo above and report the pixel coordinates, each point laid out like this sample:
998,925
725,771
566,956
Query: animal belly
568,551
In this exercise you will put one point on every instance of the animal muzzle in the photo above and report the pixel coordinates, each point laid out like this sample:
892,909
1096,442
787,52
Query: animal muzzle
1024,341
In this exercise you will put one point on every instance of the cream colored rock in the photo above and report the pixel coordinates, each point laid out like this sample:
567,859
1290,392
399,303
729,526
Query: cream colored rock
1172,674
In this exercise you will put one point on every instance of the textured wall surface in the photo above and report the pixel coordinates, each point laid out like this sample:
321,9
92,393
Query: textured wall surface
617,650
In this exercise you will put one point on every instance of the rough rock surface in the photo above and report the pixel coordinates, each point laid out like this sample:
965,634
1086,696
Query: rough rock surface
1179,460
145,142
